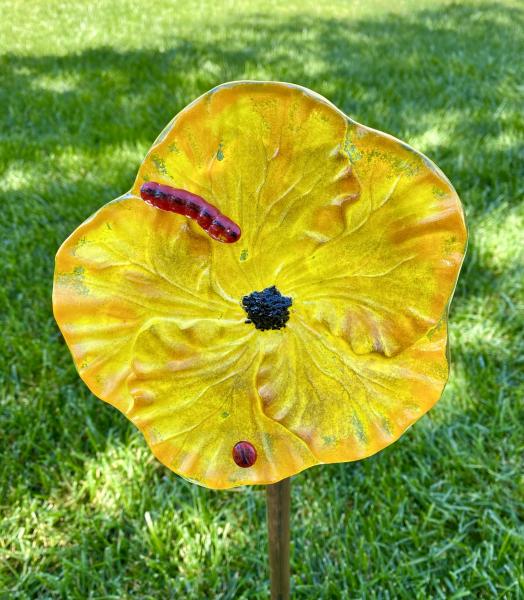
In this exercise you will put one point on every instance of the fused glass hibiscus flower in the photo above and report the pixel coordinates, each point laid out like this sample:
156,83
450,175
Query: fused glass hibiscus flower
316,334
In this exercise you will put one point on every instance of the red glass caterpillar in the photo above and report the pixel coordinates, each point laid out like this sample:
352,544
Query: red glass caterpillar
182,202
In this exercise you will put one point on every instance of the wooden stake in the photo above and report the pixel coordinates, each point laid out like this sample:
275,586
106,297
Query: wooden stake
278,498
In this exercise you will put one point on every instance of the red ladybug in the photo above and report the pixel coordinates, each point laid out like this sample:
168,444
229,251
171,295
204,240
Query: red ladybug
244,454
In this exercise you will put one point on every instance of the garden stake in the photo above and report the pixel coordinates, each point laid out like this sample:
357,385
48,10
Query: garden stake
294,315
278,507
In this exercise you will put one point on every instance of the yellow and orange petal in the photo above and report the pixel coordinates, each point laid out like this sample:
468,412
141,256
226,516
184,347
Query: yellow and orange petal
366,235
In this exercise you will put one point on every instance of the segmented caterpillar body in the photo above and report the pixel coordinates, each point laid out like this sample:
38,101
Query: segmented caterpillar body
182,202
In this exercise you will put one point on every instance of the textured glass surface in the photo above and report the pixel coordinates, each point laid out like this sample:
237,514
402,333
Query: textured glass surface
363,233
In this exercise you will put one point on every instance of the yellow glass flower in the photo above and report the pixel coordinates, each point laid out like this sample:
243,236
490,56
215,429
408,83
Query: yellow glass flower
353,241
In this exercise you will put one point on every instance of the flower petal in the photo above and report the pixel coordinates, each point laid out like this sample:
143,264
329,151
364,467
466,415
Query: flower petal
129,263
195,398
347,406
271,157
366,236
388,277
353,221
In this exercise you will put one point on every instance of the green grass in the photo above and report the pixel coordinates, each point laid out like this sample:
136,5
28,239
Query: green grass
87,512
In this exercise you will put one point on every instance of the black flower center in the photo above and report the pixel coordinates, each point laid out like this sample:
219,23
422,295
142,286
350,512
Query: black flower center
267,309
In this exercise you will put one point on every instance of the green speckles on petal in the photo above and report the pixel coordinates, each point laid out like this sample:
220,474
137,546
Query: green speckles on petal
350,149
80,244
359,430
402,166
436,329
449,245
243,255
74,280
220,153
160,164
439,192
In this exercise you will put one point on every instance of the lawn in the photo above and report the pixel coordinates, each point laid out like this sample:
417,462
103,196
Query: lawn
86,511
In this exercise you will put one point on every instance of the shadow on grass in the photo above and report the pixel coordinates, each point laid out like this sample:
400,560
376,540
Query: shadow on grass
445,77
396,73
